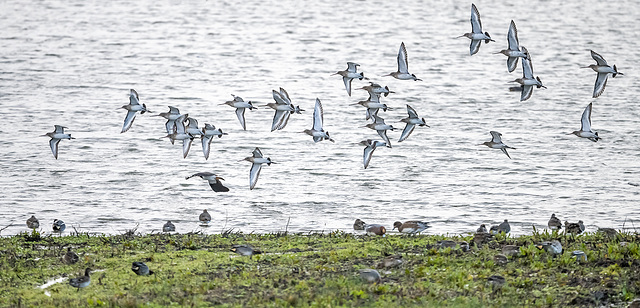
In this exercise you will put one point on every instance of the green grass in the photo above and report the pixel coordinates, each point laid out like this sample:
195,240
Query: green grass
316,270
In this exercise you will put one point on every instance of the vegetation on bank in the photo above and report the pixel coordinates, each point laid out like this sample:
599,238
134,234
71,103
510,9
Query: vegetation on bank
318,270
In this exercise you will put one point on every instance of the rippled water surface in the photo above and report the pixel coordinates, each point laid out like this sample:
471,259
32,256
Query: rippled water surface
73,62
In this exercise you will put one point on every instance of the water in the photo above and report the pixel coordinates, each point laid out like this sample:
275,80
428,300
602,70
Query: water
73,62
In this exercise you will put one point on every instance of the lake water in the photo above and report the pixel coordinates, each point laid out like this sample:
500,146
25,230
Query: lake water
73,62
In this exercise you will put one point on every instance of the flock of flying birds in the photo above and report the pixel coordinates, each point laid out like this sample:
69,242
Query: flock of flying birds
181,127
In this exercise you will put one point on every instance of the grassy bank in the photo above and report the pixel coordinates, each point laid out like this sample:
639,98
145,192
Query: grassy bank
316,270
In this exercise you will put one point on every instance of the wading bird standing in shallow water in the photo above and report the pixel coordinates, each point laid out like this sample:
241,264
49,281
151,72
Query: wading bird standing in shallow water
213,179
257,160
205,217
349,74
168,227
585,127
603,69
316,131
496,143
476,36
56,135
33,223
403,66
133,107
513,50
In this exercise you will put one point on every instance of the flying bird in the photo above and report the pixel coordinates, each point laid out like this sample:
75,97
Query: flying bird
496,143
213,179
316,131
476,36
379,126
585,127
208,132
527,81
257,160
373,105
192,127
240,106
370,146
376,89
513,50
171,117
349,74
180,133
412,120
283,107
133,107
603,69
403,66
57,135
